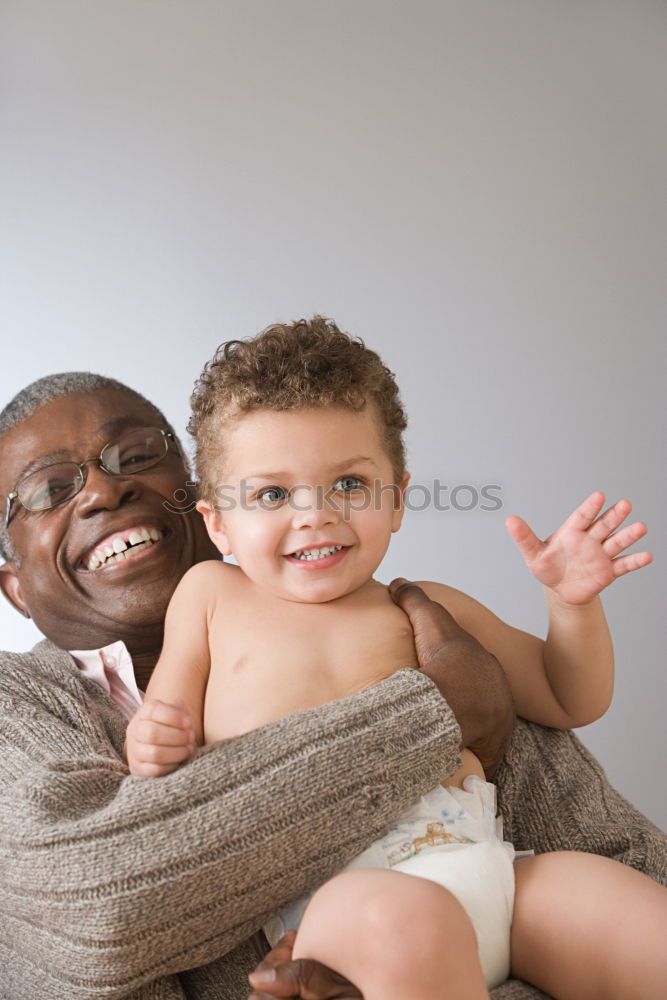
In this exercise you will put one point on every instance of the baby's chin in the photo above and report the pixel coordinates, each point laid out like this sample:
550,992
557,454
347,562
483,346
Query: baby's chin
314,596
323,592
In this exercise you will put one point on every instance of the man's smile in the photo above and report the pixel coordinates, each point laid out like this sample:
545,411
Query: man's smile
119,546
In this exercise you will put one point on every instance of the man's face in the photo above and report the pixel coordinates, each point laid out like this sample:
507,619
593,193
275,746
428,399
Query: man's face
75,605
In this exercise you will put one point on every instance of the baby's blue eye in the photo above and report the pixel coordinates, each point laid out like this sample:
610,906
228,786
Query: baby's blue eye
272,495
347,483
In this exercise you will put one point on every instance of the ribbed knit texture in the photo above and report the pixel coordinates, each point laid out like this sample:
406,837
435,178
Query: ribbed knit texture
109,882
111,885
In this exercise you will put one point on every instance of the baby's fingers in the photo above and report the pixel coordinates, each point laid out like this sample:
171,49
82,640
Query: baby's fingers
146,731
165,713
149,753
163,723
633,561
582,518
524,536
624,538
151,761
610,520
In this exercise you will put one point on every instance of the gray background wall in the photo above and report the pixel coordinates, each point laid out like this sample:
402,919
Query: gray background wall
476,187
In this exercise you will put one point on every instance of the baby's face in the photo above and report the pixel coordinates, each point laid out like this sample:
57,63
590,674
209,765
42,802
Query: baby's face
307,501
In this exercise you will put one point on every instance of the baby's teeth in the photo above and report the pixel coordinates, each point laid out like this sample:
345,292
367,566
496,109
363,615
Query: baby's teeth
310,554
119,545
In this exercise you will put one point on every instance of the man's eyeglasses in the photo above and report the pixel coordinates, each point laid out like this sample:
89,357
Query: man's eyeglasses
133,452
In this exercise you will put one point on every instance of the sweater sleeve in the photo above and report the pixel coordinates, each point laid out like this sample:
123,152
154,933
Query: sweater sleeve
109,882
554,796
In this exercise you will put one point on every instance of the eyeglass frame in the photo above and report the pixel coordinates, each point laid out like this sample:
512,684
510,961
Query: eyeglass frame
81,466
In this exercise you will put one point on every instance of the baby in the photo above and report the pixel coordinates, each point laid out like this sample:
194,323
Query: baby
302,470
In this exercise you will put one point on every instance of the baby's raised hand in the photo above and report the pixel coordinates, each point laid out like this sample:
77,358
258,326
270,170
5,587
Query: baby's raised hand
584,555
159,738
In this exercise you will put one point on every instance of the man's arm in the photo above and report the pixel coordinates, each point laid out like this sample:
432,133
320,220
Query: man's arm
554,795
111,882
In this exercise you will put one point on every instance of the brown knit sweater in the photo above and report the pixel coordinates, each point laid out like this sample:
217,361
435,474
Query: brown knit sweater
112,886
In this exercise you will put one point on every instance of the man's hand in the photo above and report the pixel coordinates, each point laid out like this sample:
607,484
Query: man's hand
469,678
278,975
159,738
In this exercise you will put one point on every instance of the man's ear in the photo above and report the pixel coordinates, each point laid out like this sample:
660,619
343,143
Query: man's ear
11,588
399,503
215,527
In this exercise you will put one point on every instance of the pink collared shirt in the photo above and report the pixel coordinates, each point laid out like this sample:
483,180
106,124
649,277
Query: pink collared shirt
111,668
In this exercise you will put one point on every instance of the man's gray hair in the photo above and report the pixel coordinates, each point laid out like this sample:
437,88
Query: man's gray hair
43,391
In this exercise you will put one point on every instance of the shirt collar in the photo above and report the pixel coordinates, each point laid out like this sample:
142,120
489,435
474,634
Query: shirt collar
111,668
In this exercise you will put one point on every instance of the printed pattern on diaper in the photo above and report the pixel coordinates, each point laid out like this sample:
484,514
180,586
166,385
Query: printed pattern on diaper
445,820
426,836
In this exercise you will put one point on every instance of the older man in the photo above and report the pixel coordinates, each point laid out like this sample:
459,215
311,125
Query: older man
114,886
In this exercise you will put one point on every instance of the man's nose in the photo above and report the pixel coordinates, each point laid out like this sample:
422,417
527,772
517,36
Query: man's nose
102,491
312,508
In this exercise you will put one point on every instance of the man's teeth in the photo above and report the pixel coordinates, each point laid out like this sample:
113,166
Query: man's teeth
317,553
116,551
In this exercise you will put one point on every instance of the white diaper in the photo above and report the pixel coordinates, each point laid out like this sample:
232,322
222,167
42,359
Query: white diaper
452,837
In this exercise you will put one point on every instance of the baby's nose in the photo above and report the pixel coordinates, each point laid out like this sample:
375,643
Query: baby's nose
311,508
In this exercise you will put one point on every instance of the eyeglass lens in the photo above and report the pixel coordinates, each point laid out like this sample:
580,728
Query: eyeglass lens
134,452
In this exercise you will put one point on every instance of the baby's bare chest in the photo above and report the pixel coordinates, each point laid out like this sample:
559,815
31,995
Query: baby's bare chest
268,659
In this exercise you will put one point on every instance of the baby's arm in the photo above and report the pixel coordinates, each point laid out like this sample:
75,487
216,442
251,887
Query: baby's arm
169,725
567,680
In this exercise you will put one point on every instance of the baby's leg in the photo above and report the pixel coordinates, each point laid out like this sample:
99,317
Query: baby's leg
393,935
588,927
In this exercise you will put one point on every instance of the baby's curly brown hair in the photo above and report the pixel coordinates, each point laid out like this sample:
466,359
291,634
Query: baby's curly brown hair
309,363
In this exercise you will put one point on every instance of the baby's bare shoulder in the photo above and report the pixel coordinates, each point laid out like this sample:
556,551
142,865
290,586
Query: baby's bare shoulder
210,576
469,613
462,606
443,594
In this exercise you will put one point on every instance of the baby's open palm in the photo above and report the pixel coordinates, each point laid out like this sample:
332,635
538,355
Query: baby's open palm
584,555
